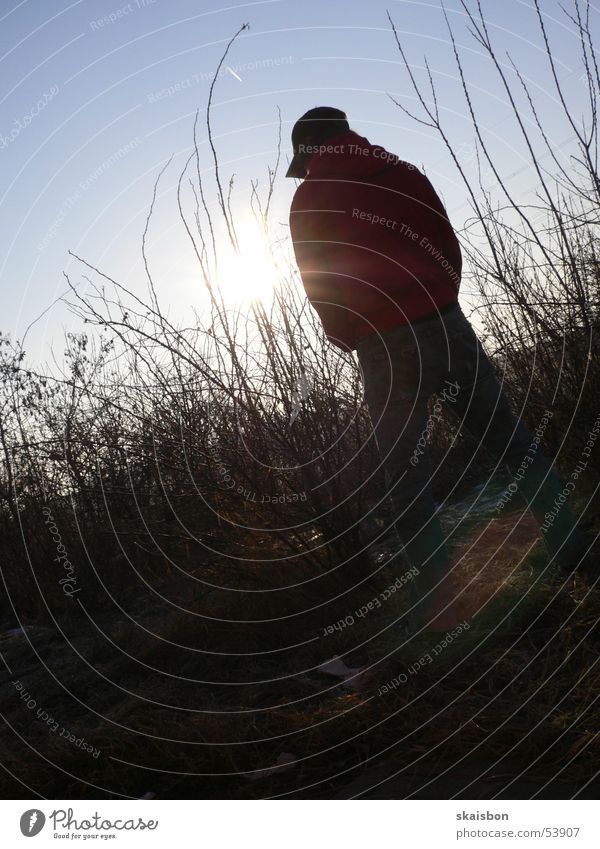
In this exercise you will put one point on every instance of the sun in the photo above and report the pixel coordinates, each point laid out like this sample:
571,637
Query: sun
249,274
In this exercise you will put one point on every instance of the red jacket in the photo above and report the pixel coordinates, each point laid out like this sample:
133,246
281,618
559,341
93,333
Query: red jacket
372,240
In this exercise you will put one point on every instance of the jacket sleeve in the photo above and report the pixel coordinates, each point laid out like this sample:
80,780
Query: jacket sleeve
315,257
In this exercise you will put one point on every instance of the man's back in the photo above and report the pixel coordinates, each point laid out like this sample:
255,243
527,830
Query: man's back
372,240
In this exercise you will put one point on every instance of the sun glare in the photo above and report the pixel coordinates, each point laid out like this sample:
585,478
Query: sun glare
250,274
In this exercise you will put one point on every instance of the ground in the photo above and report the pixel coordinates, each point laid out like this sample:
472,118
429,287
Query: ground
110,709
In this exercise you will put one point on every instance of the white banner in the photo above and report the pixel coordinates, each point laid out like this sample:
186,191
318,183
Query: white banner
297,824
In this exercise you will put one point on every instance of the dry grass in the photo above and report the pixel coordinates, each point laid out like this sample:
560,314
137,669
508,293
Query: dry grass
194,707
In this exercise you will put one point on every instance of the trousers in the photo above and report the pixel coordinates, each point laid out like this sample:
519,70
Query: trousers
401,370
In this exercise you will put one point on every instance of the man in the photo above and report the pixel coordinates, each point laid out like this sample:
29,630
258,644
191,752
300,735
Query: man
381,265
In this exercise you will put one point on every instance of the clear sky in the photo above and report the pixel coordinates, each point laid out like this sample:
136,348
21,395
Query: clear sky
96,95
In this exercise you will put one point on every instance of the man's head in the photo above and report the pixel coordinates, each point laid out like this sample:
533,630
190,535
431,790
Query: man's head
310,131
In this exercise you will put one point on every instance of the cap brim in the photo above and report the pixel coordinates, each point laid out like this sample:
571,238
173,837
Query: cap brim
296,168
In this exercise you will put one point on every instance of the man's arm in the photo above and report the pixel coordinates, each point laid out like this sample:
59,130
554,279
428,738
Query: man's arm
315,256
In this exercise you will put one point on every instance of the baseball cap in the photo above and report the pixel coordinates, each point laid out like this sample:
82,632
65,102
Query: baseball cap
319,123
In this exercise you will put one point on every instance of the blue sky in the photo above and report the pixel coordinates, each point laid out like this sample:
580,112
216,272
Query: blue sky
96,95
